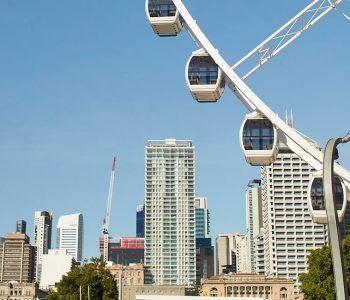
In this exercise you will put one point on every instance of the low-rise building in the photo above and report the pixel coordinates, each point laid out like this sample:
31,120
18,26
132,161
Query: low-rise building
248,286
55,264
132,291
20,291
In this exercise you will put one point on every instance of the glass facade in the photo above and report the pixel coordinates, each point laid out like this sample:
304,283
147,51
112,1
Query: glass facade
140,221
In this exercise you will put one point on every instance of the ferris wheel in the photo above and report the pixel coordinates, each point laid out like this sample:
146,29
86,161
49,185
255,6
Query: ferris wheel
207,74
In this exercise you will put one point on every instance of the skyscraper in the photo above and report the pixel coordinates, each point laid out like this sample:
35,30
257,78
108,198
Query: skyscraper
21,226
202,218
289,232
42,237
170,250
140,221
253,217
70,231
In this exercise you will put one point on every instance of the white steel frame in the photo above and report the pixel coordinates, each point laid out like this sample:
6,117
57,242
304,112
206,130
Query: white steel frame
293,139
286,35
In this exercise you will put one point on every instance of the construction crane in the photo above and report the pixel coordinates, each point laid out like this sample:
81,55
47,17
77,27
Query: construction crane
105,227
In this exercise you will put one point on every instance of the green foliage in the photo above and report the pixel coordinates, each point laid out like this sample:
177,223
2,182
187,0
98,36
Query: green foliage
95,275
318,283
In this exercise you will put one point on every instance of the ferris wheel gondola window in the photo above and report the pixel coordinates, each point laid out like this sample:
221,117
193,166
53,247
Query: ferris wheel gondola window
258,134
204,78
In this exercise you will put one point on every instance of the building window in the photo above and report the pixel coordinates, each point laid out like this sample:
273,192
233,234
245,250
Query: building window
214,292
283,293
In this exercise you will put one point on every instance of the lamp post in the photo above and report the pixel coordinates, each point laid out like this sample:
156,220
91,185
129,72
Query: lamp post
331,154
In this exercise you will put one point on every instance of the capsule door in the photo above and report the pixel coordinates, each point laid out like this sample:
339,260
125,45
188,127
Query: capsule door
204,78
259,140
316,201
163,17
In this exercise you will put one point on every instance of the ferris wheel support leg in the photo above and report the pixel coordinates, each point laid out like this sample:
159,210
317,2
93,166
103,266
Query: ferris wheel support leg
333,223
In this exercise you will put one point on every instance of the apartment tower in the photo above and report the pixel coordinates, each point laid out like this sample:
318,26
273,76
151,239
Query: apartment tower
70,235
254,222
289,233
170,237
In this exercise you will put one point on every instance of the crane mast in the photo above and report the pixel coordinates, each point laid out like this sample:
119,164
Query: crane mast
106,220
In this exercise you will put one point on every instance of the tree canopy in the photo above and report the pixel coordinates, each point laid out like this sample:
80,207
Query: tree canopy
318,283
94,275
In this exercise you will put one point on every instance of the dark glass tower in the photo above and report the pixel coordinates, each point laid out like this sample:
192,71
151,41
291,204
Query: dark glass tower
140,221
21,226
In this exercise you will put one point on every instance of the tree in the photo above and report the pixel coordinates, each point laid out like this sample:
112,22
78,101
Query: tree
94,275
318,283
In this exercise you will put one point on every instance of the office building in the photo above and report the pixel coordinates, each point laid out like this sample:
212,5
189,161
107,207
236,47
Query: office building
70,232
242,286
253,217
21,226
17,259
289,232
170,237
242,255
226,253
55,264
204,259
202,218
125,250
140,221
42,237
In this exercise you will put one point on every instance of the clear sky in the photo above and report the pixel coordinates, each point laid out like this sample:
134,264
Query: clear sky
81,81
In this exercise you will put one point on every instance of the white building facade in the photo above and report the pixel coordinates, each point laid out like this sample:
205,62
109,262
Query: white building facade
70,232
55,264
42,237
170,241
254,222
289,233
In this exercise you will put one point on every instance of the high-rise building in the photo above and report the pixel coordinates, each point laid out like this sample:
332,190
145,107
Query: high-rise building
204,259
21,226
17,259
140,221
202,218
226,253
289,232
70,232
42,237
170,237
259,260
253,217
124,250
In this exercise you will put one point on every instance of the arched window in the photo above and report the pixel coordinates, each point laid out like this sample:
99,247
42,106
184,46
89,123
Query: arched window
283,293
214,292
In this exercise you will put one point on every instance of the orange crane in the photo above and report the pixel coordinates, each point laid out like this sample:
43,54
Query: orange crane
106,220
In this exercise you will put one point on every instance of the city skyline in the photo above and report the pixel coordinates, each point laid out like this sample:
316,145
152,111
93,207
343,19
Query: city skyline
63,119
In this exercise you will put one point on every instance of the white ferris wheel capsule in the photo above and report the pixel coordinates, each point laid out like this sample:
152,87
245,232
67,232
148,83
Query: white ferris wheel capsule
259,140
316,201
164,17
204,78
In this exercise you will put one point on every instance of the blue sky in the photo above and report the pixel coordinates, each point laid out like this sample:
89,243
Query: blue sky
81,81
